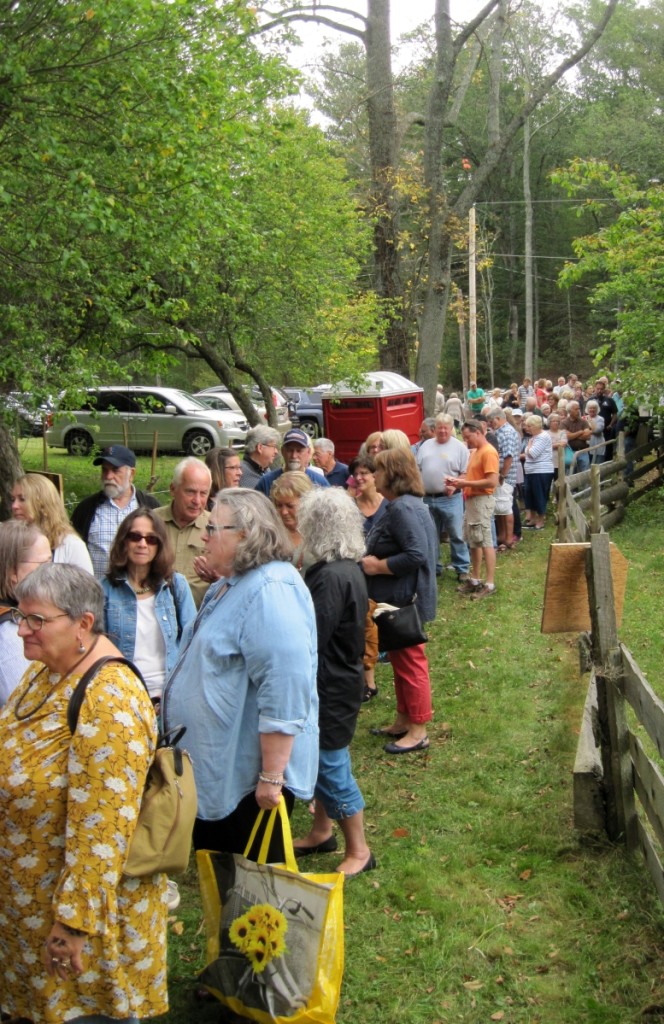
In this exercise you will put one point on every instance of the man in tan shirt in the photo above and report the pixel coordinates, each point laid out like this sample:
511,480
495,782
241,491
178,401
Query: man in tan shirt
186,518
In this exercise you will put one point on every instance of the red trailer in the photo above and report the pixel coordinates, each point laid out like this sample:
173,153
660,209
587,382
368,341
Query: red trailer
390,401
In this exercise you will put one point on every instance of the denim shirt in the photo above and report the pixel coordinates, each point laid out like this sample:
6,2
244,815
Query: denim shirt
246,667
120,615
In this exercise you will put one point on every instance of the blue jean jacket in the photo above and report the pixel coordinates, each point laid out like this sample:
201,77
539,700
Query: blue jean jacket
120,615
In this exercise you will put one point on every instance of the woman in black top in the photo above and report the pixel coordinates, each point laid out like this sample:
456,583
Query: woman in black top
331,527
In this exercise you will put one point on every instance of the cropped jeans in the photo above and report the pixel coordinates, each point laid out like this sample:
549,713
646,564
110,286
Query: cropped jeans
447,514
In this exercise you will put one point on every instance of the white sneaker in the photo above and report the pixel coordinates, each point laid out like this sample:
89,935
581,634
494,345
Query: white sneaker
173,895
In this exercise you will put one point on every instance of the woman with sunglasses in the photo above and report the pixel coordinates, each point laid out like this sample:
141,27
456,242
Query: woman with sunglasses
147,605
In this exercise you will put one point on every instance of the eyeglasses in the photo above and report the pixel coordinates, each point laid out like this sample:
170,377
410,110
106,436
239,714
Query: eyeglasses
269,444
212,528
150,538
34,622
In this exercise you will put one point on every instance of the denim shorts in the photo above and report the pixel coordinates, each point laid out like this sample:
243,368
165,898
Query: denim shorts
336,787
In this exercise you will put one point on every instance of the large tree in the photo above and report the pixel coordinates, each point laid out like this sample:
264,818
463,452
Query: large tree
622,263
456,55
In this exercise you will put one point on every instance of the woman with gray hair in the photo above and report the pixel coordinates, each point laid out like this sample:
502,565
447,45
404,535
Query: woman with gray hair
244,684
23,547
331,525
80,941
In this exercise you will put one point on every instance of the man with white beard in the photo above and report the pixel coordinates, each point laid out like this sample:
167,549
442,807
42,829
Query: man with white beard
96,518
296,453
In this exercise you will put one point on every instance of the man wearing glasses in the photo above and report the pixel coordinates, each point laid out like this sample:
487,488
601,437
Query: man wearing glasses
260,451
96,518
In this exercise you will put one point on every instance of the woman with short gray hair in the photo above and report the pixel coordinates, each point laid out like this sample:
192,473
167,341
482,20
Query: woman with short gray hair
245,681
23,547
80,940
331,525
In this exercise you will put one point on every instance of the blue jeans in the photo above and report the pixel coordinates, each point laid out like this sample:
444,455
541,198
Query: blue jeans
581,462
336,787
447,515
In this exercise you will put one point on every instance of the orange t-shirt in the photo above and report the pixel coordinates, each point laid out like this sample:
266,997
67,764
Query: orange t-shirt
482,461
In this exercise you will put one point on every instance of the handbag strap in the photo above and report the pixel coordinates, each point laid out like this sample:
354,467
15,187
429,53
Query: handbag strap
76,699
289,852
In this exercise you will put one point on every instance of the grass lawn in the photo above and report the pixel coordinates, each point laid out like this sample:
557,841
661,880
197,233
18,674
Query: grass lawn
486,905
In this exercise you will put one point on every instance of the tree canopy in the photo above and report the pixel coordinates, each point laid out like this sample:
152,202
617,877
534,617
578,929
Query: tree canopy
623,264
160,199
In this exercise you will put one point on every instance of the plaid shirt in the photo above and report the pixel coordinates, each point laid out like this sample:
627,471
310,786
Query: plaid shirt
509,443
103,529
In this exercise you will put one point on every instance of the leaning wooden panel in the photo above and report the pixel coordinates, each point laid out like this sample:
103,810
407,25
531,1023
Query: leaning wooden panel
652,860
566,607
648,707
649,786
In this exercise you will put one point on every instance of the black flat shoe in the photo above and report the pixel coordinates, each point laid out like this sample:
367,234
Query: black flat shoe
387,732
369,866
327,846
369,694
392,748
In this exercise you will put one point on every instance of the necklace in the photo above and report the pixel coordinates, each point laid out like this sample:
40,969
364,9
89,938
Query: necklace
139,591
32,711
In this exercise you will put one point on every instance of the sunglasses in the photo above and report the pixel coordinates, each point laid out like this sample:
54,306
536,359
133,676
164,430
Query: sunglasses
150,538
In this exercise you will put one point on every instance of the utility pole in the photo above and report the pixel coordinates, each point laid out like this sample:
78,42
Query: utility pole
472,297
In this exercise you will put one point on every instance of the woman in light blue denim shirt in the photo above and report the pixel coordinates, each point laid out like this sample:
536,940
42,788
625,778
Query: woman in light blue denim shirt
147,605
245,681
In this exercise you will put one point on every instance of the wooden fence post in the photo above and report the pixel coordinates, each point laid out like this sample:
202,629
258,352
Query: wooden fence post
621,820
595,500
561,483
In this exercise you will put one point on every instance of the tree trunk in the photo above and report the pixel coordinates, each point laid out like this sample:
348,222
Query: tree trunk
528,242
384,207
10,470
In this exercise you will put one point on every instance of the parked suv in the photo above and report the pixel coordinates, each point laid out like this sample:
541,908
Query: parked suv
219,397
133,415
308,412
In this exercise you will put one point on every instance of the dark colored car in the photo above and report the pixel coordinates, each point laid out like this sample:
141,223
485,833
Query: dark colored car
18,410
308,414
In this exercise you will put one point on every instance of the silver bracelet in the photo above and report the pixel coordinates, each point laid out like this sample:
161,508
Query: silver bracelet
270,782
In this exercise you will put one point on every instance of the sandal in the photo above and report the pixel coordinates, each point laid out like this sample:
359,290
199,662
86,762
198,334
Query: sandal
502,547
369,694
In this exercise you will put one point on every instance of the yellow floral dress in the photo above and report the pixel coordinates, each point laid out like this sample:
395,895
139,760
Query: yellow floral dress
68,807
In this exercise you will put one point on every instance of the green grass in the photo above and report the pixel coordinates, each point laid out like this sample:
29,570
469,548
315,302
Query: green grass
486,902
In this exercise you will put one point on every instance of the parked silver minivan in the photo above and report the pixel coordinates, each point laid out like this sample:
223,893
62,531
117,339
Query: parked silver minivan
133,415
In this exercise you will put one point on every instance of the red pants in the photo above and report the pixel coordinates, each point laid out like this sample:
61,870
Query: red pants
411,683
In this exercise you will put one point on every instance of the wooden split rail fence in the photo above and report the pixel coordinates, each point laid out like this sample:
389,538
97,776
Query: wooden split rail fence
618,777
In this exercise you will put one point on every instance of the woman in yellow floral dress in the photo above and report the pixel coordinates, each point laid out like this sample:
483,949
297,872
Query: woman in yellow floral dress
79,941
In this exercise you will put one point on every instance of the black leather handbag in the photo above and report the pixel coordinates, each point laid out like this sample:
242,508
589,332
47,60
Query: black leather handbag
399,627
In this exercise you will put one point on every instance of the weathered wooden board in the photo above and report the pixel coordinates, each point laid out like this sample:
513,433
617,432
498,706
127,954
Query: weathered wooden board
566,607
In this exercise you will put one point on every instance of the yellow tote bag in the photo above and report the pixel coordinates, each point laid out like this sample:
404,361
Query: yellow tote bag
275,938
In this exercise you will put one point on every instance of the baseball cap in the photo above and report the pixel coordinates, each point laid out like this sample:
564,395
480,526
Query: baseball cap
296,436
117,455
517,412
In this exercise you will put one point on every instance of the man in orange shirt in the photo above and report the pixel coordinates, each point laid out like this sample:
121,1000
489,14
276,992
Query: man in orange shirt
478,485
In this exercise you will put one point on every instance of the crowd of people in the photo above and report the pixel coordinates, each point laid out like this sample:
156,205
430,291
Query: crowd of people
249,578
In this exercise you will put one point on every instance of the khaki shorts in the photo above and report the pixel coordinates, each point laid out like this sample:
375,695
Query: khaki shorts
477,520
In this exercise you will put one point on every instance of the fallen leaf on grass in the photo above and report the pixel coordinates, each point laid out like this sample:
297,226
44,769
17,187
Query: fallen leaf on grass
525,875
401,833
471,664
473,986
177,927
498,1015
